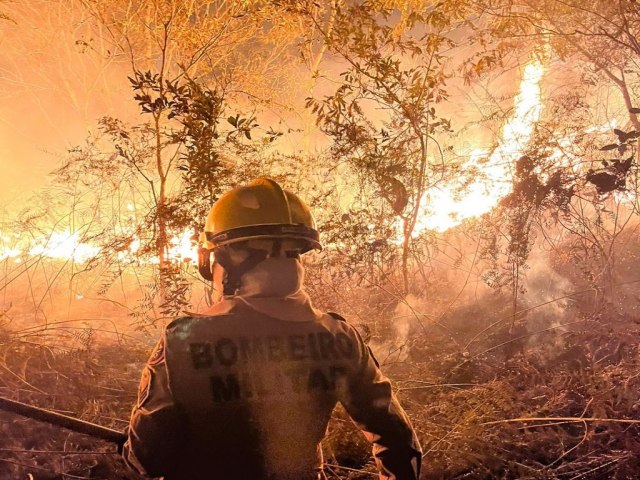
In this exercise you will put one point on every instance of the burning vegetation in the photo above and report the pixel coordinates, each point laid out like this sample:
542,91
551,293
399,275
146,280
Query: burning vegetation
473,169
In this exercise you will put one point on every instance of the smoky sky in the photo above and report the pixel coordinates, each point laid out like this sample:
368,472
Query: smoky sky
55,82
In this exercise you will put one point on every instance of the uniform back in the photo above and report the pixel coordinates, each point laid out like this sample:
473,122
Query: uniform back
259,385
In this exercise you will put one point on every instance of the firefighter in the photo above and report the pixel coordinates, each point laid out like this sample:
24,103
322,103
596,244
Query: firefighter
245,390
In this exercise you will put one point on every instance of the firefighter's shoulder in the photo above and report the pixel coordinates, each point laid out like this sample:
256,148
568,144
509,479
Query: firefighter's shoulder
337,316
158,354
177,327
362,330
336,322
180,324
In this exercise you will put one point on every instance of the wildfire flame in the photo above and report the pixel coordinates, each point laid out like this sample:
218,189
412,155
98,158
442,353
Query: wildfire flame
67,246
7,250
444,207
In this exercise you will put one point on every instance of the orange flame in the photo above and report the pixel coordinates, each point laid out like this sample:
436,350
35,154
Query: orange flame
446,209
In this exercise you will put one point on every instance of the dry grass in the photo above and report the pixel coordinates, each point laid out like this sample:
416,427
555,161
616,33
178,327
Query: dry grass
562,405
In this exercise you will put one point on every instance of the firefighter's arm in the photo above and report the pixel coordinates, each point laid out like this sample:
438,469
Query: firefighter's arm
374,408
156,430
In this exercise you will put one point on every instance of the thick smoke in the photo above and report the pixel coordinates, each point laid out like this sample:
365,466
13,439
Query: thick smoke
56,80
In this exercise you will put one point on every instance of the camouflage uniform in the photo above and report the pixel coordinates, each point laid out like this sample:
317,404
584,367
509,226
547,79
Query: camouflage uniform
246,392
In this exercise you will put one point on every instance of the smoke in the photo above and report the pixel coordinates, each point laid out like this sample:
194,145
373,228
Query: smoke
55,80
464,305
409,315
543,286
547,309
45,301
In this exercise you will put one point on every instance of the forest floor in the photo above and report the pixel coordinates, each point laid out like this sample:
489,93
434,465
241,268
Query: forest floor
557,404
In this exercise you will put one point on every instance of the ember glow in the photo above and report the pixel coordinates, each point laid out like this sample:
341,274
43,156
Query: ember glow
183,249
445,206
59,245
67,246
8,248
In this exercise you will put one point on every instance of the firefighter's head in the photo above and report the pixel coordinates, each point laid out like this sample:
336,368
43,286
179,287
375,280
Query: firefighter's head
250,224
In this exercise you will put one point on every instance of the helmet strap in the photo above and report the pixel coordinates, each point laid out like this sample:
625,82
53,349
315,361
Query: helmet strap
235,272
276,247
204,263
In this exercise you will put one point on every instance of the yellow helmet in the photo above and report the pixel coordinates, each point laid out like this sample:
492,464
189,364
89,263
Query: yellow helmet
261,209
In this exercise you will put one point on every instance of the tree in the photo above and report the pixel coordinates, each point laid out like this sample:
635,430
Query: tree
194,150
183,140
597,43
382,116
601,36
571,198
